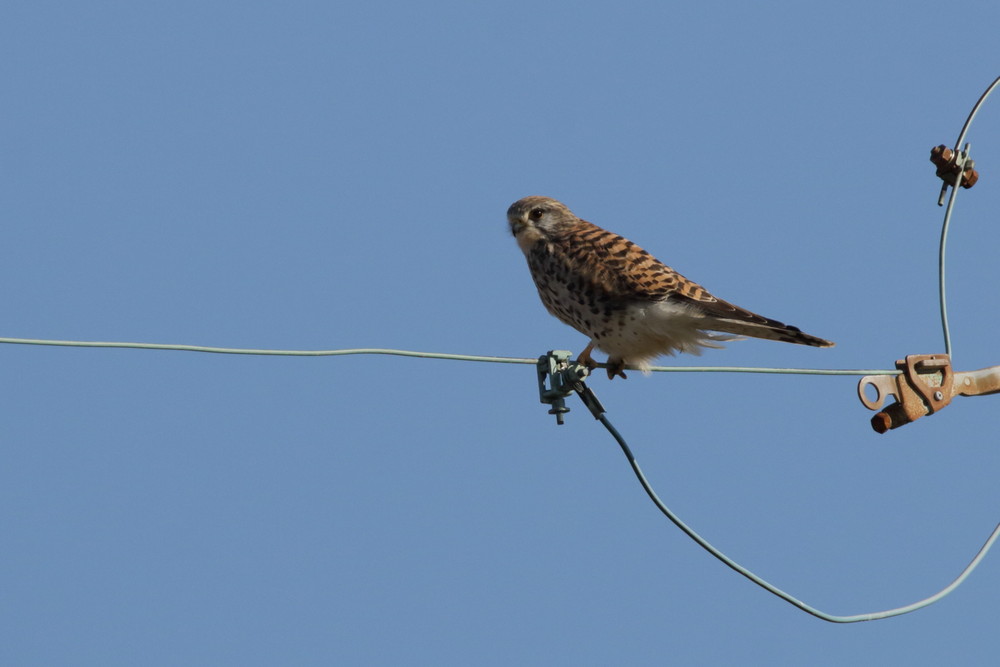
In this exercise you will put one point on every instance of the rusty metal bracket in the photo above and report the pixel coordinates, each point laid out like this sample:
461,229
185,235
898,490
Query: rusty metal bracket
950,163
925,384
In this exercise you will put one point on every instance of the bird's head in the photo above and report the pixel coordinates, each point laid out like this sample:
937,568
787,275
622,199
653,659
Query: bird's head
534,219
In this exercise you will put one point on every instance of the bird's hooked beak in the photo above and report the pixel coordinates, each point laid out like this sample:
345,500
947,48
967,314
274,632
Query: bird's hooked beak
525,232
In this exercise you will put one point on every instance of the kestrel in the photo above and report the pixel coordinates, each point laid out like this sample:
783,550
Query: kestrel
630,305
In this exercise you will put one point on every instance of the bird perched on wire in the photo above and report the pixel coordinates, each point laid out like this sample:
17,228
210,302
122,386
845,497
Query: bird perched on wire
631,305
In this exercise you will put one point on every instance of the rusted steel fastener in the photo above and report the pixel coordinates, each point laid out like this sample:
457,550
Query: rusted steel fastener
925,384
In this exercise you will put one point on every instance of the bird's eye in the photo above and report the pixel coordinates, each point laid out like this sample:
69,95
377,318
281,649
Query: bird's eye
536,214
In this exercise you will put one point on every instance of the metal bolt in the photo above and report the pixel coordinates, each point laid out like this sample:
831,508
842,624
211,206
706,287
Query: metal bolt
938,396
881,422
559,409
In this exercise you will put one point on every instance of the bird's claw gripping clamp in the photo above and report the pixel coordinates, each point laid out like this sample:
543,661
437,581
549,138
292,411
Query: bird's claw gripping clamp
925,384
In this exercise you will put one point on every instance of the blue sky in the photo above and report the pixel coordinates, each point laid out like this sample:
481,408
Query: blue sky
330,175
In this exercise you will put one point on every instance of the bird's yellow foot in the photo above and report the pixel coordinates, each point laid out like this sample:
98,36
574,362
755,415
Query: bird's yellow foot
616,367
586,359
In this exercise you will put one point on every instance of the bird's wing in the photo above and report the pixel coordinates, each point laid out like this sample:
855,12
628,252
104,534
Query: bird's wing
623,270
628,273
728,318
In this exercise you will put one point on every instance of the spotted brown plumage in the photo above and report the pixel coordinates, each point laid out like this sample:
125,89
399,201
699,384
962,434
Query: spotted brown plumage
630,305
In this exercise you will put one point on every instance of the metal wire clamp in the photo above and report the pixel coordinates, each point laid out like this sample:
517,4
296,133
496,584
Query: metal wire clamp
925,384
564,377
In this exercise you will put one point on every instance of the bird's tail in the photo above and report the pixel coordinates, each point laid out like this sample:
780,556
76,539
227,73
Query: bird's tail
769,330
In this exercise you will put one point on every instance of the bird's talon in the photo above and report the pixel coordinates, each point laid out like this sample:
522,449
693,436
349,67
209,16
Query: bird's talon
616,367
